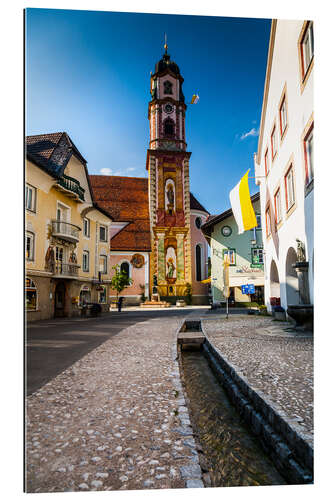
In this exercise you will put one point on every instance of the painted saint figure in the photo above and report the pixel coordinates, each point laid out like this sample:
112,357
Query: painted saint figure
171,268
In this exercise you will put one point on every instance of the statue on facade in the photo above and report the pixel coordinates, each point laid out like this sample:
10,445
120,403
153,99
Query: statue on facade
300,251
50,259
170,195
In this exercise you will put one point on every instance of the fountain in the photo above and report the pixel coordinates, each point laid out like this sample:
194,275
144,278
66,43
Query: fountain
302,313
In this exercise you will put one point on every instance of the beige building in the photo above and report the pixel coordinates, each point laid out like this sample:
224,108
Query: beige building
67,234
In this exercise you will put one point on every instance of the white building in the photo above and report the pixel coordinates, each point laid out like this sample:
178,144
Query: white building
284,162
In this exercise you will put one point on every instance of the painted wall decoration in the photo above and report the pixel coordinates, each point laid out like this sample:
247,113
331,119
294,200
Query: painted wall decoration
137,260
171,263
169,195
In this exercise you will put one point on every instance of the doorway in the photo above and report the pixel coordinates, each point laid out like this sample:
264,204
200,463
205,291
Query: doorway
59,300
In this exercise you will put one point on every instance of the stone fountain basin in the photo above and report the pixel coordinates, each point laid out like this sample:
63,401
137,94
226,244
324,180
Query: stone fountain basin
301,313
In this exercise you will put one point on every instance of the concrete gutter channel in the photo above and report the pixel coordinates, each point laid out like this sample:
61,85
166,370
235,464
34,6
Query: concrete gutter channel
286,443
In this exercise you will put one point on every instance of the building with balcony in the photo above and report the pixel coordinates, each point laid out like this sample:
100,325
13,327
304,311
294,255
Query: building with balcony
67,233
245,252
284,165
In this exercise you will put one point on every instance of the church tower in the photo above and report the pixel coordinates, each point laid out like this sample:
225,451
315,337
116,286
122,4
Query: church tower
168,180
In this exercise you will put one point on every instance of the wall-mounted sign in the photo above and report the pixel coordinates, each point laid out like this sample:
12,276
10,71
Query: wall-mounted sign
248,289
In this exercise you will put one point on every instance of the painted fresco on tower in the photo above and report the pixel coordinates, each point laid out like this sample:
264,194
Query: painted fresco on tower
171,263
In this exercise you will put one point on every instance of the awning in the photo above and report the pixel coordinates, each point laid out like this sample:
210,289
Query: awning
207,281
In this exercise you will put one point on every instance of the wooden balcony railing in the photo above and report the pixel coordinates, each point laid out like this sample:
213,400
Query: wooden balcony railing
72,185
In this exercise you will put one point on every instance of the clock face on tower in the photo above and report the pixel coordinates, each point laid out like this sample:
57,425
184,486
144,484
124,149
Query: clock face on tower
168,108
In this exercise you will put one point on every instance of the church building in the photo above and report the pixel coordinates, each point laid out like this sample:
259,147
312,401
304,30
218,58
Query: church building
156,233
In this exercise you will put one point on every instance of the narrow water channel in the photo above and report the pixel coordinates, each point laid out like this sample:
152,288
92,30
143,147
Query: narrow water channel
234,456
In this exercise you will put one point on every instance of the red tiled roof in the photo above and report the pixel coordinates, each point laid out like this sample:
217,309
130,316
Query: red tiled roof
125,199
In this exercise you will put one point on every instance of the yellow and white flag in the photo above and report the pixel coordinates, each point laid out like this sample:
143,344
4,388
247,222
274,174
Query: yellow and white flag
195,99
241,205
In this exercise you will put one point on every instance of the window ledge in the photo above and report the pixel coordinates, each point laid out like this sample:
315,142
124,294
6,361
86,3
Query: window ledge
291,210
284,133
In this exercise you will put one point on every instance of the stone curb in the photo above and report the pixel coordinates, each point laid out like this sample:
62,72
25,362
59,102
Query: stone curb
191,473
285,441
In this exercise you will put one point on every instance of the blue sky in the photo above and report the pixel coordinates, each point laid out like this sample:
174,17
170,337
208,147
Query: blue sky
88,73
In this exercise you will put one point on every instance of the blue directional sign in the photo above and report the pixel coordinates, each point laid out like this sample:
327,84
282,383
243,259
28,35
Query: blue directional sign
248,289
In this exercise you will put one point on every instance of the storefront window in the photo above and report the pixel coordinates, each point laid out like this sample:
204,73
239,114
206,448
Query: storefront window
30,295
84,297
102,295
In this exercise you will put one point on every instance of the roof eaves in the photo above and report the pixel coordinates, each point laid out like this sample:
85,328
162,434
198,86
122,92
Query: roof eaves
266,88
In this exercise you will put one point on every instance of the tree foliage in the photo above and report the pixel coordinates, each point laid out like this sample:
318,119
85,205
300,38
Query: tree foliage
119,280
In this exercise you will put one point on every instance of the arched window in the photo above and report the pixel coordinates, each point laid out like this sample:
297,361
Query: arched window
125,268
169,128
167,87
198,262
30,295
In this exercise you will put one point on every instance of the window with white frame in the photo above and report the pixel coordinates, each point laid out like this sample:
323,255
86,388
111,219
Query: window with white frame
283,115
30,198
307,48
85,261
290,188
277,206
125,268
29,245
86,227
308,155
266,162
103,264
258,217
103,233
231,253
257,257
273,142
268,221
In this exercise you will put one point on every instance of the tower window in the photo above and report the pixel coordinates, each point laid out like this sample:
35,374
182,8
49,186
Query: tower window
167,87
169,128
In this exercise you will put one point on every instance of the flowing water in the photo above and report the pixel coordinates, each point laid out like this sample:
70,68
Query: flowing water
233,455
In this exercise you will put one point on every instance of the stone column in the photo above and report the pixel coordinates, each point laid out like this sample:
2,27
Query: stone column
302,270
180,257
160,258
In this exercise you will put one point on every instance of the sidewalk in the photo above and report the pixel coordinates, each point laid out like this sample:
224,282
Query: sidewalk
274,358
115,419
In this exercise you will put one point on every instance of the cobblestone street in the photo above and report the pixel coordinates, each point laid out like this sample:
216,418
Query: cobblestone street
111,420
277,362
117,420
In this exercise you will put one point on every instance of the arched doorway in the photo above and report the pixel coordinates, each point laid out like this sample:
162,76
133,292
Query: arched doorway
59,300
274,285
291,278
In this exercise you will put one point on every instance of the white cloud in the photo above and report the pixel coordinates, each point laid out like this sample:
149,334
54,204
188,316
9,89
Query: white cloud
252,133
106,171
109,171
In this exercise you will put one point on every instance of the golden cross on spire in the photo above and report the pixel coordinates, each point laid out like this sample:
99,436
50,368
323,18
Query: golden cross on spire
165,43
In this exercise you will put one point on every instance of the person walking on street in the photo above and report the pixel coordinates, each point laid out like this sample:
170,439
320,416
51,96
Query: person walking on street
120,301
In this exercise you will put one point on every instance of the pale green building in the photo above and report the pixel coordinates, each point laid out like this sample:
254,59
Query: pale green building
245,252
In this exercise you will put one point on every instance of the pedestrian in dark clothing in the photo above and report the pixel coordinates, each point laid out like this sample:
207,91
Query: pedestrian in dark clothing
120,301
